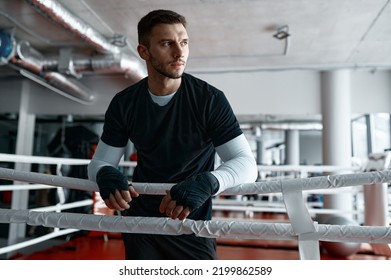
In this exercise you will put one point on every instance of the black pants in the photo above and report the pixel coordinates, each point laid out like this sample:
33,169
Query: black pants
168,247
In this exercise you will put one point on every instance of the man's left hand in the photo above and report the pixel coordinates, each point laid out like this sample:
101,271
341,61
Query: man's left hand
189,195
170,207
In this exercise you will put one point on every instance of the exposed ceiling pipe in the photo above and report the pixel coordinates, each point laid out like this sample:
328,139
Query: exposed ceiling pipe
61,15
63,86
130,66
29,62
109,63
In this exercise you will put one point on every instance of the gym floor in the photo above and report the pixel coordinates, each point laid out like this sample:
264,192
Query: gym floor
98,247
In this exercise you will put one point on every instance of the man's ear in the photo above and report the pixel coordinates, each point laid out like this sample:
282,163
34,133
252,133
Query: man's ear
143,52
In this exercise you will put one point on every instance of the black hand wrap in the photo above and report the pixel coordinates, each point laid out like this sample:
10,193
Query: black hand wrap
110,179
194,191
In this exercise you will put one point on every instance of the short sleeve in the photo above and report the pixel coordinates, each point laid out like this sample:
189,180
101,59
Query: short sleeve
222,123
114,128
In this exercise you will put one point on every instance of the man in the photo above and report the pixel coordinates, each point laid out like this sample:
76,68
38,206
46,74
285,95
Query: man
177,122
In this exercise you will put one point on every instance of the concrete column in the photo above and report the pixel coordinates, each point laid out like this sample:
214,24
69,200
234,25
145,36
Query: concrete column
370,133
292,147
259,146
24,146
336,118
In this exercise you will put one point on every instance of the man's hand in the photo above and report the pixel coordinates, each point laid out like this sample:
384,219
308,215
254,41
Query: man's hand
170,207
120,199
189,195
114,188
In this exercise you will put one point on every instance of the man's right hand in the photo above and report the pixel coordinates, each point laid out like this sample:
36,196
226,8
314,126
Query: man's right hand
114,188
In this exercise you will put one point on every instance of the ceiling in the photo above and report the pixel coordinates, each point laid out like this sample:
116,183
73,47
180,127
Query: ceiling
225,35
229,35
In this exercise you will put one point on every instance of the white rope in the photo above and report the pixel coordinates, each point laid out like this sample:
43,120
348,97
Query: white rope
238,208
19,187
53,160
320,182
201,228
47,179
36,240
211,229
65,206
307,168
75,161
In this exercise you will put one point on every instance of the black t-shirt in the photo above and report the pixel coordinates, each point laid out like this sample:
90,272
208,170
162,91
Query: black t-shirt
174,141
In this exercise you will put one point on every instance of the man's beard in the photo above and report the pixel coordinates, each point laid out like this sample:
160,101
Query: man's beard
159,68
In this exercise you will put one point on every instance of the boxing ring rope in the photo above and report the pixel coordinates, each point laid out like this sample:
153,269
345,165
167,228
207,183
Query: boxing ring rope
61,205
245,230
211,229
255,207
53,160
36,240
272,186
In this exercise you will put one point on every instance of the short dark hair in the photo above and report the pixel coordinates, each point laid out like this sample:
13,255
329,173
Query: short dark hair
153,18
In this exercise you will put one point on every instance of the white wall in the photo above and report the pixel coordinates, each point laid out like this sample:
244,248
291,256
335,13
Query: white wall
298,92
371,92
288,92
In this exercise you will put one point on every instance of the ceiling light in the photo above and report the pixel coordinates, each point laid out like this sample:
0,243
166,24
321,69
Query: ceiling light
282,32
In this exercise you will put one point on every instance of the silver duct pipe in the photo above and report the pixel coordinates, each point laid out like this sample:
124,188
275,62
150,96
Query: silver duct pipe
30,63
109,63
65,84
58,13
130,66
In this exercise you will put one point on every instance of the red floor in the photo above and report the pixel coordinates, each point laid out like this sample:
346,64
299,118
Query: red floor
97,248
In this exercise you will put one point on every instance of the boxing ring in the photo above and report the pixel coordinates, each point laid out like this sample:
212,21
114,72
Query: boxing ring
301,226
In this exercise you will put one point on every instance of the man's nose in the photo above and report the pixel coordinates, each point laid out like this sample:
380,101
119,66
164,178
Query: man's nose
178,51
